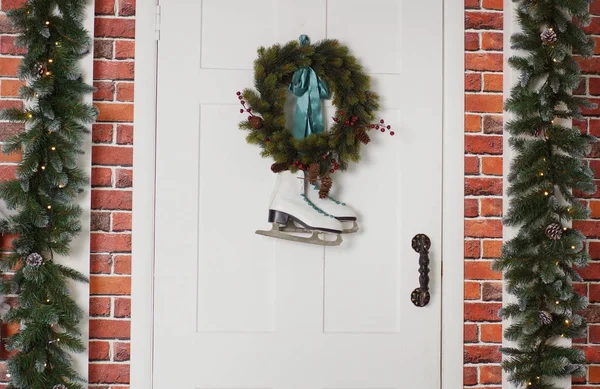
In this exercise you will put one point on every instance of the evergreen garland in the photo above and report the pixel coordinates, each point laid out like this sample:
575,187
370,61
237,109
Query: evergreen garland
44,217
538,262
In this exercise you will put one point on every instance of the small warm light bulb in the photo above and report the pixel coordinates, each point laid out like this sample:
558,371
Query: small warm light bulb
557,262
48,300
47,22
58,339
565,228
8,374
529,383
546,193
53,148
49,207
50,60
562,335
557,302
555,60
541,174
56,43
573,247
537,378
43,167
567,322
29,116
48,73
61,186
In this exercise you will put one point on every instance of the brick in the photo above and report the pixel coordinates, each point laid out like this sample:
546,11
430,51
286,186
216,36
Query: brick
592,314
100,221
7,172
483,103
9,66
115,112
99,351
473,82
595,8
581,88
472,290
471,4
113,285
472,249
471,208
481,354
8,5
492,248
492,166
483,186
591,272
112,155
109,329
103,48
492,40
99,306
594,333
469,375
124,49
595,209
491,333
100,264
121,221
106,243
491,207
102,133
109,373
482,311
594,86
6,104
493,4
483,20
592,353
589,228
114,28
492,82
105,90
105,7
491,291
471,333
594,250
480,270
593,27
126,7
101,177
124,178
111,199
483,144
594,374
491,62
472,123
595,127
122,264
124,134
125,91
122,307
471,41
8,46
6,26
121,352
493,124
486,228
113,70
10,158
490,374
471,165
10,88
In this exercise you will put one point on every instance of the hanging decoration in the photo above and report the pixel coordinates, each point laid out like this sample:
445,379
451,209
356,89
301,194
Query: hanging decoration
545,175
44,218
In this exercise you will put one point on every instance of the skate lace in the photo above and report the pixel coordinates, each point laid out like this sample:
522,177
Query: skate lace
307,200
316,187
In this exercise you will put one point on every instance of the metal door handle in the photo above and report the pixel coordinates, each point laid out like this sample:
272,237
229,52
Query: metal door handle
420,296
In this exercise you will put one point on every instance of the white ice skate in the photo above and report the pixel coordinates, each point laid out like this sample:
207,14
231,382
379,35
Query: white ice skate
338,209
291,211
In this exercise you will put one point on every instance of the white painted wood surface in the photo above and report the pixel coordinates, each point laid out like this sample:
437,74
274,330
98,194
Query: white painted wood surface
234,310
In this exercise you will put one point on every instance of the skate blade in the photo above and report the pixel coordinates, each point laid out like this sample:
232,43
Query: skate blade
352,230
291,227
282,233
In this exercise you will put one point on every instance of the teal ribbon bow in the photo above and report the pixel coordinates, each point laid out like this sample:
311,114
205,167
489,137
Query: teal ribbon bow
309,90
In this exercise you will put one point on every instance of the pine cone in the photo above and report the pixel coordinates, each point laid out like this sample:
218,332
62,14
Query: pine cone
34,260
256,122
362,136
548,36
278,167
545,317
325,187
313,172
554,231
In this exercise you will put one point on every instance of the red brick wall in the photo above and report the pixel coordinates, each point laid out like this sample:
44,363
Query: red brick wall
483,190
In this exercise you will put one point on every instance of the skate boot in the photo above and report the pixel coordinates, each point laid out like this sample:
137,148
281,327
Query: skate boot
338,209
291,211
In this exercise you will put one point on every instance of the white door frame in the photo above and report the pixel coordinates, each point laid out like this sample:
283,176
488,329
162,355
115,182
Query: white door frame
142,312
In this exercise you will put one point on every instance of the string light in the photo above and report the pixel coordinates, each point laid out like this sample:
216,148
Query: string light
573,247
57,43
61,186
565,228
50,60
29,115
541,174
567,322
49,207
557,262
8,374
43,167
48,73
557,302
47,22
546,193
48,300
53,148
562,335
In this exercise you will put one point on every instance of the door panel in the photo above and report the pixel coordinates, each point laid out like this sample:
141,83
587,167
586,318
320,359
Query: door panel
234,310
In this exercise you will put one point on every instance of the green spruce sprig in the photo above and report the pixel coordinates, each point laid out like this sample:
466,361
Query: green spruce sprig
44,218
548,167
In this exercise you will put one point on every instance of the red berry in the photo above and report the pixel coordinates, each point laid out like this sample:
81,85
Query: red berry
336,167
377,127
324,157
240,97
381,121
238,93
301,167
372,126
346,123
243,102
336,120
354,118
382,129
388,127
333,161
331,171
342,113
392,133
241,110
249,110
249,117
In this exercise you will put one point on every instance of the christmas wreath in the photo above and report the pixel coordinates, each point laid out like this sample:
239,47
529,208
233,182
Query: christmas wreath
311,73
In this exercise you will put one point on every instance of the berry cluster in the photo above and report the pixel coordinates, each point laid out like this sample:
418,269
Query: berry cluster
245,109
382,127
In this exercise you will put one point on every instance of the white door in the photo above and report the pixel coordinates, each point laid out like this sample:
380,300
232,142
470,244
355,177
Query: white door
234,310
